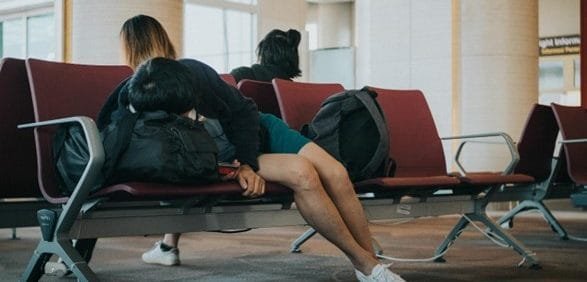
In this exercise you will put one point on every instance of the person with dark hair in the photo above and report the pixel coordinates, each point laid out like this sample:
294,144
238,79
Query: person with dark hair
277,55
322,190
161,84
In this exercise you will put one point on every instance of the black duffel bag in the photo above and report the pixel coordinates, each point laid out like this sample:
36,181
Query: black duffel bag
145,147
167,148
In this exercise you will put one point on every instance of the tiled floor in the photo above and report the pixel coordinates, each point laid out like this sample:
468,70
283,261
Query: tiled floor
262,254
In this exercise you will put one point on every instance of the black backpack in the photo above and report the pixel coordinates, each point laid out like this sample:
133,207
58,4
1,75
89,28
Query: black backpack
146,147
351,127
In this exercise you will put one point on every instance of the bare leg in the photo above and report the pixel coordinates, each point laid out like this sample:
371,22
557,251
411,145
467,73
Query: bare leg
340,189
314,204
171,239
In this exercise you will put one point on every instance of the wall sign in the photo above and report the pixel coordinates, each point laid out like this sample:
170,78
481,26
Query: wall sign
560,45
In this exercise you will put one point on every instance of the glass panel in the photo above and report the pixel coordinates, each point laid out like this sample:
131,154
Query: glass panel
240,41
41,37
577,66
215,61
13,33
1,37
551,75
250,2
203,35
312,30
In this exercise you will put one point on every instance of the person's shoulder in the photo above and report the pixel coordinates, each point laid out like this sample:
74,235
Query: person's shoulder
194,64
240,70
243,72
189,62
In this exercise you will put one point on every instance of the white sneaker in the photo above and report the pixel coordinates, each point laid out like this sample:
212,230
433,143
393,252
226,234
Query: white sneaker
157,255
380,273
56,268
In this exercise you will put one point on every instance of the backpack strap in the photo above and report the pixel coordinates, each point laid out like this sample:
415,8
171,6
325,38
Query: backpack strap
324,127
116,138
380,155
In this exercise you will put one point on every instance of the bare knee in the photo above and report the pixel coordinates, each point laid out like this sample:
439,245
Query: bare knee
336,176
337,172
303,175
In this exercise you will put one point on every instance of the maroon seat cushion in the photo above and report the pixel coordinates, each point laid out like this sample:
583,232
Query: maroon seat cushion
391,183
416,147
169,191
300,101
537,143
17,146
496,178
572,122
262,93
61,90
228,78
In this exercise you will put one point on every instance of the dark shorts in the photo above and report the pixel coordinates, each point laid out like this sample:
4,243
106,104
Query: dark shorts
281,138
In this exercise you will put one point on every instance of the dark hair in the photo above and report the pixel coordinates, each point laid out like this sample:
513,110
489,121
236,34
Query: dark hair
163,84
143,37
280,48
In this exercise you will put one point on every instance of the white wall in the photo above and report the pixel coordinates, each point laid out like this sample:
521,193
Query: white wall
559,17
285,14
407,44
96,26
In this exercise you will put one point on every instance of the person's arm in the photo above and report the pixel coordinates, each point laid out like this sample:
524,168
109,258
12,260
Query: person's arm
237,114
242,129
241,73
252,184
112,105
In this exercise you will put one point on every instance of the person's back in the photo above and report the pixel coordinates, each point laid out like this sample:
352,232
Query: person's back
278,57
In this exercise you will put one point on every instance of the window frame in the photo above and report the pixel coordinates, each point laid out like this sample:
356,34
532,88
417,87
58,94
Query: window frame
225,6
23,10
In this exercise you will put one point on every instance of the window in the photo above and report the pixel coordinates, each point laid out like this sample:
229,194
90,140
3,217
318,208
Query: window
221,33
250,2
41,37
27,30
559,80
577,72
551,76
13,44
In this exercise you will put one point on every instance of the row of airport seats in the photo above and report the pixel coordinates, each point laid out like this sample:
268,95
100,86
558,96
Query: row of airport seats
298,103
69,93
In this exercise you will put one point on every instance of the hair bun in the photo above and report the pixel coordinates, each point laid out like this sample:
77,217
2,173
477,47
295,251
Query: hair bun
294,37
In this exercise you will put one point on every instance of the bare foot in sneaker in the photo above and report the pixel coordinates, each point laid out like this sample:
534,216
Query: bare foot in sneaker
380,273
162,254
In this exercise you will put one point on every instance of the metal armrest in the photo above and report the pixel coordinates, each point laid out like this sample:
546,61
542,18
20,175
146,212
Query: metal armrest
88,178
515,156
573,141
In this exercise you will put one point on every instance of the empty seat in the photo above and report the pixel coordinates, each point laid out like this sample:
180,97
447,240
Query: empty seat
17,147
262,93
300,101
571,121
228,78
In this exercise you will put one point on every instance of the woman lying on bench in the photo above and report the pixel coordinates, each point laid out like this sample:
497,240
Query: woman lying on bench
323,193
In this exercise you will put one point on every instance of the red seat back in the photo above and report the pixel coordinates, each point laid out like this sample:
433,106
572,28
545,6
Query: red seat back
228,78
17,146
262,93
300,101
61,90
536,145
572,122
415,145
